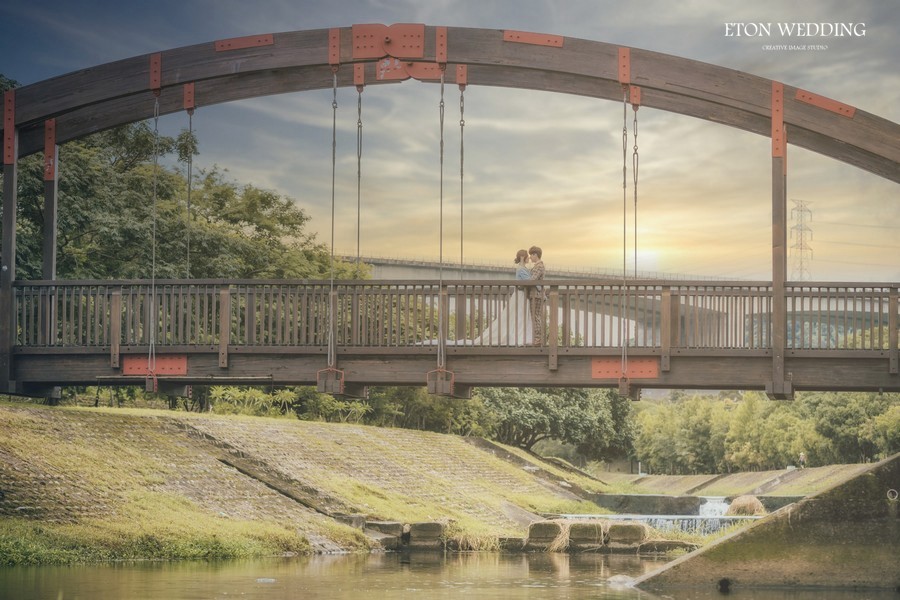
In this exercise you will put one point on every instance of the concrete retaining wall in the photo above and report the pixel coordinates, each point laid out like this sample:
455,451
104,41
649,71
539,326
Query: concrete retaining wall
649,504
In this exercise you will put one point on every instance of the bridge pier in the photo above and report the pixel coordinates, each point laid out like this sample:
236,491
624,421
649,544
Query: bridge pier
8,246
779,388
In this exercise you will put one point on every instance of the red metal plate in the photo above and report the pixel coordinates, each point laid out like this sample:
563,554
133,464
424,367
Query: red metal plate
778,141
155,71
49,149
624,65
167,364
462,75
391,69
334,47
440,44
401,40
9,127
537,39
610,367
424,71
189,96
845,110
250,41
634,95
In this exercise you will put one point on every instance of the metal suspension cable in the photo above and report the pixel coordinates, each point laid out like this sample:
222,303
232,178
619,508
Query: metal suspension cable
441,360
462,126
622,319
634,171
151,352
332,352
359,139
190,166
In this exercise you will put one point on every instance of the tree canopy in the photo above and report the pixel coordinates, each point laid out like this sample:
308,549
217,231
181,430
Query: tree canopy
747,431
123,214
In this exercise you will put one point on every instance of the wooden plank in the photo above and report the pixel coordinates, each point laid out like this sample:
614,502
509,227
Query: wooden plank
115,327
224,325
553,331
894,357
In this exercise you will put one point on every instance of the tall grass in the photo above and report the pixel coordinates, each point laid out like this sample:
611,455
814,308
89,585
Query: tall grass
150,526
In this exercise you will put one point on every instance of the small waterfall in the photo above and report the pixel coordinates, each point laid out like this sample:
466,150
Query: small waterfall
713,506
710,519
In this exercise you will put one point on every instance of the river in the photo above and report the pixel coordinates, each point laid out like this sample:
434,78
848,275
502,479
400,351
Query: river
369,577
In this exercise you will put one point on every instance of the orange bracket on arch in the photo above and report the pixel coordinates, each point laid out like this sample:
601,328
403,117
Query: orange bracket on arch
9,127
537,39
393,69
845,110
401,40
50,150
778,137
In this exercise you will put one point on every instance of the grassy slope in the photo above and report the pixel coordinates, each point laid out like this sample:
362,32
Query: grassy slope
84,484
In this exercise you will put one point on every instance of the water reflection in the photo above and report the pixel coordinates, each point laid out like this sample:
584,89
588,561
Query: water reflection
420,575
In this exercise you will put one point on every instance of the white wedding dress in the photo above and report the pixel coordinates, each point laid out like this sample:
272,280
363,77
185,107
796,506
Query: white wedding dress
512,325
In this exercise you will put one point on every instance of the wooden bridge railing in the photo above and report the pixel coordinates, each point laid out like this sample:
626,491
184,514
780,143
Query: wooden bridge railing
658,315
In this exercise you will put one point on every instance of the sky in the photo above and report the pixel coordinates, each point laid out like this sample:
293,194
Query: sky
537,167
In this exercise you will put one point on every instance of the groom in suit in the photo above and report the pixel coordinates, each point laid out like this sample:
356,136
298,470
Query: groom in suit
537,295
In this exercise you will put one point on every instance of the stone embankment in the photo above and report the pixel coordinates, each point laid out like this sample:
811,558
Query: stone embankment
72,465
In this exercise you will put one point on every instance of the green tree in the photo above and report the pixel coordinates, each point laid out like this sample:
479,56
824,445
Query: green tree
846,419
884,432
657,427
122,214
583,418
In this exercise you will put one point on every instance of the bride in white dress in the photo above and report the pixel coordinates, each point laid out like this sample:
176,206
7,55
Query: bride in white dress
513,325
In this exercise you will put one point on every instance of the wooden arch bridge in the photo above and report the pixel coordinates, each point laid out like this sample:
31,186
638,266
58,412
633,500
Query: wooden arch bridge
777,335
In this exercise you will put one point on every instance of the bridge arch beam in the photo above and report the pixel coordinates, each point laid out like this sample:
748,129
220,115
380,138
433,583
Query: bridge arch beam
120,92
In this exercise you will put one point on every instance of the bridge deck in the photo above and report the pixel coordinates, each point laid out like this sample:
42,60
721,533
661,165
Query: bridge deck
660,334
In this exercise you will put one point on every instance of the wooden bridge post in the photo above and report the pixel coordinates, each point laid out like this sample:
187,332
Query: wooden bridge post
8,244
892,331
224,325
51,189
444,299
779,388
668,325
553,333
462,325
115,327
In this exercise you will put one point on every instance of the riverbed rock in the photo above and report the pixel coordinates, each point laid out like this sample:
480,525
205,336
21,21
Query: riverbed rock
590,534
627,536
426,535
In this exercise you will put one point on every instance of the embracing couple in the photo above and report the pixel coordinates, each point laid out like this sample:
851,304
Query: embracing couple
532,324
